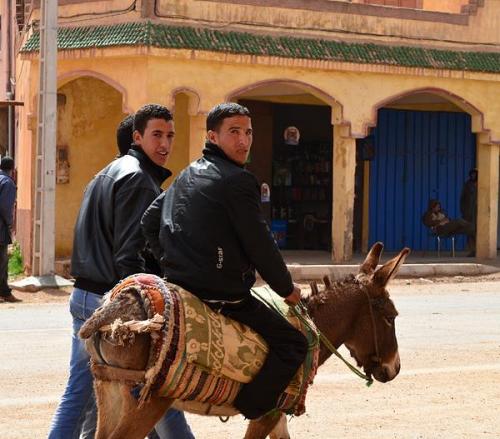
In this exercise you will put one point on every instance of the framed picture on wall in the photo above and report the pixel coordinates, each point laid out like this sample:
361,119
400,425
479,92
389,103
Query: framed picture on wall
291,135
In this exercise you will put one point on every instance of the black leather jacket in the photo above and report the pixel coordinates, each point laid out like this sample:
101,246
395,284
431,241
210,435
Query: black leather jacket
108,241
209,232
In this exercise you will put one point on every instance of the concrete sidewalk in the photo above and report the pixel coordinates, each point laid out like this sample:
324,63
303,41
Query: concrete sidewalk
309,265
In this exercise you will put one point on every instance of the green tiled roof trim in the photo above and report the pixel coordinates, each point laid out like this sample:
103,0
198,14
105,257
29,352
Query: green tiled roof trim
176,37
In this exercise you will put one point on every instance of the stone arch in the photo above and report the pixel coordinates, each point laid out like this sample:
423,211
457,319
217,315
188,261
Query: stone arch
337,107
193,98
477,115
86,142
72,75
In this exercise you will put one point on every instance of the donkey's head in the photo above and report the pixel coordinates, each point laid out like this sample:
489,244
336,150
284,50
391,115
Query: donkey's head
373,339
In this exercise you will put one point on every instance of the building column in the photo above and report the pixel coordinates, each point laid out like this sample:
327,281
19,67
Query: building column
197,135
487,200
344,167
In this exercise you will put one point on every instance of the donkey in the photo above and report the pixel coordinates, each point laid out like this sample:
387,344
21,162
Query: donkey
356,311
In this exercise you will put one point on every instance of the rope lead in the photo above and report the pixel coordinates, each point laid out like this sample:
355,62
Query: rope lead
326,342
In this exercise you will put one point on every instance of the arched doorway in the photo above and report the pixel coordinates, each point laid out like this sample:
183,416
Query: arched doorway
88,113
292,159
421,148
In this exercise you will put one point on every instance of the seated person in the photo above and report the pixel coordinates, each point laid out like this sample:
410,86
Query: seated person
436,219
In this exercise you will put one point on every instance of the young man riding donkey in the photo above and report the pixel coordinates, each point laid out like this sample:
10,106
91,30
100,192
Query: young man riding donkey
209,234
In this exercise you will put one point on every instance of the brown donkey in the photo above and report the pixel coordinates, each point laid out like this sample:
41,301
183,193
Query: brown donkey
356,312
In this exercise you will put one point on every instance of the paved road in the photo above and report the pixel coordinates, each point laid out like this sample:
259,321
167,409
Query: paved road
449,386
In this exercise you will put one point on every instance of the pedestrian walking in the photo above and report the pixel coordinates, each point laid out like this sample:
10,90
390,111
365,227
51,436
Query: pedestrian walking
7,201
108,246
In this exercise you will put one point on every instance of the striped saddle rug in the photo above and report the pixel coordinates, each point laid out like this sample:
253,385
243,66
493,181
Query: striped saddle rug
204,356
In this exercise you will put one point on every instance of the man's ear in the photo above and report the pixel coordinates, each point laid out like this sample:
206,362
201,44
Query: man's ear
136,137
212,136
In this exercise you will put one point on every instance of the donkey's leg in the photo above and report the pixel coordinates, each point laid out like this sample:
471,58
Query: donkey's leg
119,416
110,406
280,431
138,422
261,427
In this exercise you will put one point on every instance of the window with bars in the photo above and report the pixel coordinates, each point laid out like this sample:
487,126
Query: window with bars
23,8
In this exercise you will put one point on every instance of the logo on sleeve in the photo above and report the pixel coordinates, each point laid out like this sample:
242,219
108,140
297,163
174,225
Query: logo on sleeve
220,258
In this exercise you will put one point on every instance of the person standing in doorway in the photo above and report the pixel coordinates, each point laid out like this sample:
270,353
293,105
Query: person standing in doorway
108,246
468,198
468,204
7,201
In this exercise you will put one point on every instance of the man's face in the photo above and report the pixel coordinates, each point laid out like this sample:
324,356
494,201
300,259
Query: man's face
234,137
157,140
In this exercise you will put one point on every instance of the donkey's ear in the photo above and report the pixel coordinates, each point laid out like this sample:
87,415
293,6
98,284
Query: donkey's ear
327,282
372,258
389,270
314,288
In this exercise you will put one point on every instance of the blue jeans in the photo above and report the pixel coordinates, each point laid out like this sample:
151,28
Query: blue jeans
78,397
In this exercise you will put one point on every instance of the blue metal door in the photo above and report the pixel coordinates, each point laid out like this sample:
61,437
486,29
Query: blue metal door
419,155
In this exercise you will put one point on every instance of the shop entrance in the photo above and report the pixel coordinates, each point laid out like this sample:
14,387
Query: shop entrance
292,157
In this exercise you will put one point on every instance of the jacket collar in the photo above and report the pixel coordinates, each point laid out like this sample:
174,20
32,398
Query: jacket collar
213,150
159,173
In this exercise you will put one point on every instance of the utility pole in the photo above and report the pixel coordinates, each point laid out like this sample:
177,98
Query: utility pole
9,93
44,215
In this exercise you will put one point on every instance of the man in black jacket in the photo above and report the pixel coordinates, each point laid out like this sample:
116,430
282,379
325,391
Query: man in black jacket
210,235
108,244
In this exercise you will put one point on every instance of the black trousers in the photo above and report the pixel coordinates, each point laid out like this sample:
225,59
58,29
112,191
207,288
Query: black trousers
287,351
4,271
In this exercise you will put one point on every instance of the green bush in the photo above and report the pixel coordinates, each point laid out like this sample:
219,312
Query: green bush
16,265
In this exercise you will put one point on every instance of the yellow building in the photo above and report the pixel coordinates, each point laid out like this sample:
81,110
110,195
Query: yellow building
326,67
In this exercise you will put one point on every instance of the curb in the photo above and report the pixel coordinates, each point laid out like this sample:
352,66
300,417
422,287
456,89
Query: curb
32,284
313,272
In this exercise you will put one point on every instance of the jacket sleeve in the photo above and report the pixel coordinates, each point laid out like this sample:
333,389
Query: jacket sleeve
131,200
8,198
242,200
150,224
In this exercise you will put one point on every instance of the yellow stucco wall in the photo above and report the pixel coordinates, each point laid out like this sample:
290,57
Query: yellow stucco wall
180,154
193,81
355,92
87,124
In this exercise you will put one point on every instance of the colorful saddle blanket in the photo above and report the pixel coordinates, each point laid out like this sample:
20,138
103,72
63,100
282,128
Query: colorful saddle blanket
205,356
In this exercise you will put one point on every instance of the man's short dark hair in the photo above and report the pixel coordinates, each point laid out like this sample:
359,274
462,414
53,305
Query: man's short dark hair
7,163
124,134
223,111
148,112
